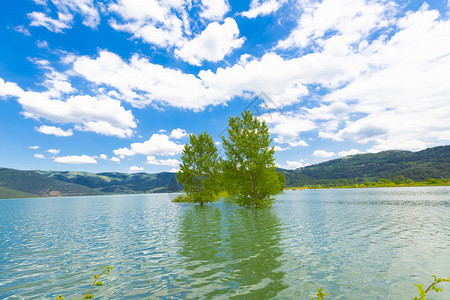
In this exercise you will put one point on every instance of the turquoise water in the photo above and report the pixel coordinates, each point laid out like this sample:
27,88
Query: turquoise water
354,243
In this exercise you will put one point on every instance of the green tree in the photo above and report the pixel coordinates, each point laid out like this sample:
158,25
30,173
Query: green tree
282,180
200,169
250,162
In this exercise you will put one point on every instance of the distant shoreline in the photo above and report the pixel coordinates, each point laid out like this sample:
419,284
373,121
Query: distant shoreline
359,186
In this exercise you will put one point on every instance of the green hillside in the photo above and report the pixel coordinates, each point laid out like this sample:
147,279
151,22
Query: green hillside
34,183
120,183
6,193
356,169
429,163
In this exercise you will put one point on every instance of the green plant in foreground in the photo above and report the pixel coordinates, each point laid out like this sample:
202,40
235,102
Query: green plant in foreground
423,292
320,295
95,282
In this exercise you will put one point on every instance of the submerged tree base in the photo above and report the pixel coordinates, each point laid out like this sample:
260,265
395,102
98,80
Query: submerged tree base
183,198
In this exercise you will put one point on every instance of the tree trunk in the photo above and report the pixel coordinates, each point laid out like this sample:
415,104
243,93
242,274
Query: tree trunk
255,192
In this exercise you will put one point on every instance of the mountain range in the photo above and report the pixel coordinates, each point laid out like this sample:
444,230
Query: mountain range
428,163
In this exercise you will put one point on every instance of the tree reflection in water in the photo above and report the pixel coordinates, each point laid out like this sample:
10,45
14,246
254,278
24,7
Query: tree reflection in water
230,252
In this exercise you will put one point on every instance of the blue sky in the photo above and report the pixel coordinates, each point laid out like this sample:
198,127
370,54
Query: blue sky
119,85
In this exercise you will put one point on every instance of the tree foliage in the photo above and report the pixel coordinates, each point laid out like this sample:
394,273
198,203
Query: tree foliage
200,169
250,162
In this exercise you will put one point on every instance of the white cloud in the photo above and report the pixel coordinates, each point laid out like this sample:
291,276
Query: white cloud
352,19
100,115
9,89
141,82
282,80
134,169
103,156
349,152
151,160
41,156
54,130
290,165
55,25
75,159
278,148
263,8
34,147
296,143
213,44
214,9
115,159
323,154
105,128
158,144
174,170
53,151
177,133
42,44
151,20
22,29
288,126
66,9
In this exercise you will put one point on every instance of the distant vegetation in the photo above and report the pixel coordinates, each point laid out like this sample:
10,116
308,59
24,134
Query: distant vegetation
6,193
388,168
32,182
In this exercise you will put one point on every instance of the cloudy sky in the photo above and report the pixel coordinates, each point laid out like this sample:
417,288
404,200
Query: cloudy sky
118,85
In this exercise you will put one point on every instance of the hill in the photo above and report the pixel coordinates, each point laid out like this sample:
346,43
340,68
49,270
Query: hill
6,193
428,163
32,182
120,183
360,168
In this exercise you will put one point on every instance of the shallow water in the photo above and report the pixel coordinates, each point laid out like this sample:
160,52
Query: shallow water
353,243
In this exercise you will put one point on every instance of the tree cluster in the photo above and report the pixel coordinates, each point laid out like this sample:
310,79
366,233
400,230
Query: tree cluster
247,172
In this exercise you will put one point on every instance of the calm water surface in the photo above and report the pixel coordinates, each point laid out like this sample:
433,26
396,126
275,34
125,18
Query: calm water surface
354,243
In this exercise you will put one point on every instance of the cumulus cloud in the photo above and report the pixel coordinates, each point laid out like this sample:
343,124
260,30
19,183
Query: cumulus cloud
105,128
352,19
134,169
102,115
323,154
288,126
9,89
115,159
53,151
141,82
213,44
214,9
40,156
158,144
262,8
152,21
349,152
34,147
290,164
177,133
278,148
52,130
151,160
75,159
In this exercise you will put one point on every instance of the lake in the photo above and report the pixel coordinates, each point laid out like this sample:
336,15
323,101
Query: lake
353,243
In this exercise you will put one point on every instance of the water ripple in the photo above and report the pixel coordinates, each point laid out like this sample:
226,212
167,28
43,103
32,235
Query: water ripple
356,244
